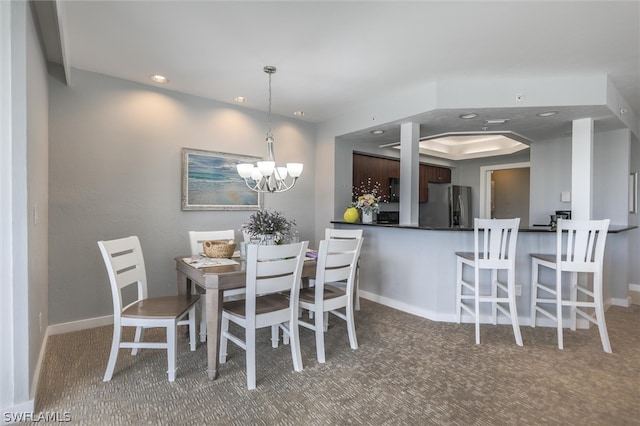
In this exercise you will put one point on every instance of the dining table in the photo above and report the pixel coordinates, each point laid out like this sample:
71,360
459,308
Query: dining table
214,280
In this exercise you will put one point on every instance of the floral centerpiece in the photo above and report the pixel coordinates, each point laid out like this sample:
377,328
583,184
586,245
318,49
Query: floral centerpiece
367,197
267,226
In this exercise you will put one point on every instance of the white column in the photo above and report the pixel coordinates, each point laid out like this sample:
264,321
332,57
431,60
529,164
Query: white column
409,173
582,169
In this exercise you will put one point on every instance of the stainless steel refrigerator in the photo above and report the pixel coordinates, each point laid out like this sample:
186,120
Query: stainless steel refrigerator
448,206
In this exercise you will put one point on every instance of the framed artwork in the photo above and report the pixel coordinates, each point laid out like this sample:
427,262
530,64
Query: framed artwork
210,181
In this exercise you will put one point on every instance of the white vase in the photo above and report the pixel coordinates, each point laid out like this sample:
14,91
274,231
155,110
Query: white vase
367,217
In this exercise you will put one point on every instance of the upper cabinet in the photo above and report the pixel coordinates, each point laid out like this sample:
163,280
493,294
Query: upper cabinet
381,170
439,174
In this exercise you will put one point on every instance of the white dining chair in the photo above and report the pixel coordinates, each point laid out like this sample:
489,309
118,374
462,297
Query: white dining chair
125,266
331,233
196,238
271,271
337,260
580,248
494,249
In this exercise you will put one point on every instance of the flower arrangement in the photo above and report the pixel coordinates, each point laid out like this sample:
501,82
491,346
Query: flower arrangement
367,197
272,223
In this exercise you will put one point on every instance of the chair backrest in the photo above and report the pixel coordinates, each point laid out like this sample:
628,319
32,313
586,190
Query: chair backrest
330,233
273,269
125,266
494,242
337,260
582,248
196,238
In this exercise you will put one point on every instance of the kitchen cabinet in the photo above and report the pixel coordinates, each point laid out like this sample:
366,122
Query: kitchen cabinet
439,174
382,169
369,168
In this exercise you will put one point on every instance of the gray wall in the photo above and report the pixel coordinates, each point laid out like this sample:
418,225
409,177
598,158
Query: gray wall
115,170
24,185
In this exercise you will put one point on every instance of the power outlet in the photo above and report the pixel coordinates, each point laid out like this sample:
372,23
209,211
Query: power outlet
518,290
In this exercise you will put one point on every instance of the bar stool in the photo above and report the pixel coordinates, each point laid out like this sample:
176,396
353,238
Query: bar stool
583,248
494,249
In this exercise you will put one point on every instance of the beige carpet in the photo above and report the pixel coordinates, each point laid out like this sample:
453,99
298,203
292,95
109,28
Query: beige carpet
407,371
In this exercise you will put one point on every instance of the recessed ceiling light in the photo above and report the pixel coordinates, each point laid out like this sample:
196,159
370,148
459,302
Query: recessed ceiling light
377,132
495,122
240,99
159,79
299,113
468,115
547,113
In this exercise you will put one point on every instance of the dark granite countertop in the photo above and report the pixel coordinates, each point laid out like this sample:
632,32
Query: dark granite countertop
613,229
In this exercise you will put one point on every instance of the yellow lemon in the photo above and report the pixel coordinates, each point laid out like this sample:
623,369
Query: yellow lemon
350,215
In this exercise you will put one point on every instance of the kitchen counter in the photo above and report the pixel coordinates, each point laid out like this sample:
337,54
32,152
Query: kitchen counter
413,268
613,229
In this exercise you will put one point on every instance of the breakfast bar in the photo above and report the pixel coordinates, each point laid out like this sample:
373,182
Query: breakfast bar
413,268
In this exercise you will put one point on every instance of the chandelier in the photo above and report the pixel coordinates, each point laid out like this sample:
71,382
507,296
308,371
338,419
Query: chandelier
265,176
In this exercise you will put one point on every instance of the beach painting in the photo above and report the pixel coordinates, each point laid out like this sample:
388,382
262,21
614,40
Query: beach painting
210,181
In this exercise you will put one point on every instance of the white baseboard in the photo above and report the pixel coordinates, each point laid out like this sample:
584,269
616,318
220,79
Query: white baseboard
634,287
67,327
615,301
405,307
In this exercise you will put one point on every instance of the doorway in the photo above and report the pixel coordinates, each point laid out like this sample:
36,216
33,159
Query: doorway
504,191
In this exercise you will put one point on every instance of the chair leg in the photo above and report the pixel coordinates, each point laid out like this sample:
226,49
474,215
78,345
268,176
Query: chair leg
113,355
192,329
477,303
224,328
275,335
602,325
351,328
294,341
513,310
203,319
494,294
251,357
171,351
138,338
357,288
458,290
534,292
319,331
574,298
559,322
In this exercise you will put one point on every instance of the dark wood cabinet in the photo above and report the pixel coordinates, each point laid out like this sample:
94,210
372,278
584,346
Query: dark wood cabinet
423,179
369,169
439,174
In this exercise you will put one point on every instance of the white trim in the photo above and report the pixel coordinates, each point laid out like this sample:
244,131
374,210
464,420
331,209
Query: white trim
634,287
68,327
36,373
485,185
617,301
405,307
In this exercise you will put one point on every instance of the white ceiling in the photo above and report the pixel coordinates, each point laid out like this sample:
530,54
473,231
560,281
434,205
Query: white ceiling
332,55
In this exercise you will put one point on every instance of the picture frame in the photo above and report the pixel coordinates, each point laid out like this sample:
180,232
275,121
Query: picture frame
210,181
633,193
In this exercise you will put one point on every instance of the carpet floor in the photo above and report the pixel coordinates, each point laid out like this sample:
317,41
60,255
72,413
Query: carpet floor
407,371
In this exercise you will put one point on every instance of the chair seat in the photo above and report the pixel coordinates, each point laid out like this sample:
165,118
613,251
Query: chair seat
161,307
551,258
264,304
466,255
308,294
